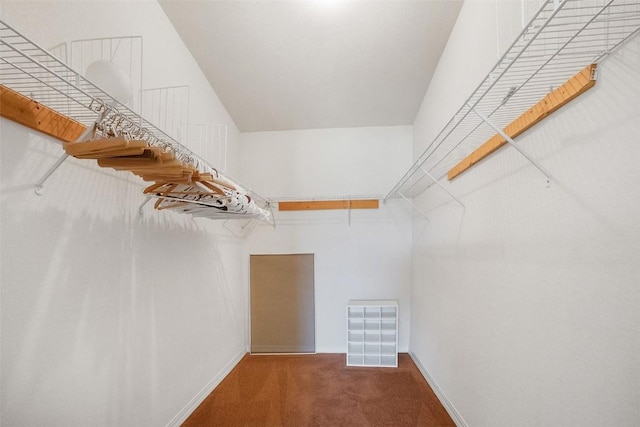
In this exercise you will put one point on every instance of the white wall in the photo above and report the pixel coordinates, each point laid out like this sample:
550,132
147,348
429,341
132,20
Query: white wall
525,304
362,254
109,317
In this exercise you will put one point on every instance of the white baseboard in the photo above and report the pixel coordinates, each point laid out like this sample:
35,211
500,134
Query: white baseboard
182,416
453,412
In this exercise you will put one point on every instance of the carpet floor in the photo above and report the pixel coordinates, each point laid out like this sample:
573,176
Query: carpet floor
320,390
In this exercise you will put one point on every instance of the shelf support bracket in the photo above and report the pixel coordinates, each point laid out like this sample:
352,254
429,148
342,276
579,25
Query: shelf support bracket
52,169
442,187
38,185
512,143
273,218
414,206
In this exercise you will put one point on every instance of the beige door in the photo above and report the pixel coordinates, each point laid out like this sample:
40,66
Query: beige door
282,303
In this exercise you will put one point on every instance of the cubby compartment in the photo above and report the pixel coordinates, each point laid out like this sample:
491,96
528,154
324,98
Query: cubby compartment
372,360
356,312
356,348
372,312
355,325
388,312
355,359
388,326
355,336
390,361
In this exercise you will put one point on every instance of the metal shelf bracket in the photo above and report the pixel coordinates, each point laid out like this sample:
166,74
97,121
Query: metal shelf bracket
38,187
512,143
442,187
414,206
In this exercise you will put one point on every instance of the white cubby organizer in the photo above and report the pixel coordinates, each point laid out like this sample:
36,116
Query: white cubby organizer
372,333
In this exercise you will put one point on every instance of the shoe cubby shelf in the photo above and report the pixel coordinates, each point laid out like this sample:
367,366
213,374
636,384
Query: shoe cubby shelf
372,333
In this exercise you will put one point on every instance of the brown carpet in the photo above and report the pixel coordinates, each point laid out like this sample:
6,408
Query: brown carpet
320,390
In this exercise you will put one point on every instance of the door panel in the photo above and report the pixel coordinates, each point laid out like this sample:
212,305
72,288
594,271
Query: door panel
282,303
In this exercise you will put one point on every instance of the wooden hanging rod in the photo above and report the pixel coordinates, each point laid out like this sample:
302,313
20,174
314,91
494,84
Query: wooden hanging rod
27,112
308,205
555,99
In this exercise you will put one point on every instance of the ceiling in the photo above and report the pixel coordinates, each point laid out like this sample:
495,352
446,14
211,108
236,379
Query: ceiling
308,64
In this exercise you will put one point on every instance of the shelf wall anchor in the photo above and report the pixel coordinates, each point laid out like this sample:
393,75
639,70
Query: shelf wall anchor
513,144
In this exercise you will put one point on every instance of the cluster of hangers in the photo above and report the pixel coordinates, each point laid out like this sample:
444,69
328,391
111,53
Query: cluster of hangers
181,181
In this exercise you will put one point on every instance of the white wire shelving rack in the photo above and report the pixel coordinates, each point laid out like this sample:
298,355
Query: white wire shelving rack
125,52
33,72
562,38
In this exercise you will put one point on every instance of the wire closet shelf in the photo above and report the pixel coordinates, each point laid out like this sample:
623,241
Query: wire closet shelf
563,37
35,73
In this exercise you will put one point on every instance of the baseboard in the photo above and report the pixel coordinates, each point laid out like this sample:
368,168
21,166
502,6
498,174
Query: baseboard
182,416
453,412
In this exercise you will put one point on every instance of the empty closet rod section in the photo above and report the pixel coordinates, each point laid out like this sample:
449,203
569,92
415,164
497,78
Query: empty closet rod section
553,101
503,65
562,38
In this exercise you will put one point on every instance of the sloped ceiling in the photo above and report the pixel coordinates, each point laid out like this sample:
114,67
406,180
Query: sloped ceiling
306,64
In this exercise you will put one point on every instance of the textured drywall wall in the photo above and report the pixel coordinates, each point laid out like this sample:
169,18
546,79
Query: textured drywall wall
110,317
524,304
